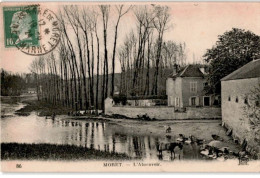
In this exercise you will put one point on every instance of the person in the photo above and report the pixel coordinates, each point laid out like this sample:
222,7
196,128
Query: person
21,26
53,115
168,130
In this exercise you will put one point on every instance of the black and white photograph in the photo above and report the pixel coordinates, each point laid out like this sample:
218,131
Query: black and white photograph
130,86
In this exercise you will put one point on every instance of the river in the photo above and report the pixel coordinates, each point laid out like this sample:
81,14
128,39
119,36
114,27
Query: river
96,134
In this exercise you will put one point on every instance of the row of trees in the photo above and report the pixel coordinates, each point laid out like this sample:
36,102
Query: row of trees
67,76
12,84
80,75
138,77
146,58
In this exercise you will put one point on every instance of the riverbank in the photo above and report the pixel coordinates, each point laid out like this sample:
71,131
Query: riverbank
118,125
14,151
31,104
201,129
42,108
45,109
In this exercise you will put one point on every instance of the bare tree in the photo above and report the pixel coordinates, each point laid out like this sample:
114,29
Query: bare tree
121,13
105,9
72,14
94,21
145,17
160,23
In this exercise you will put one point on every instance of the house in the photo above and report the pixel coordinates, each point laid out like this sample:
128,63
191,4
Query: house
31,90
185,87
235,95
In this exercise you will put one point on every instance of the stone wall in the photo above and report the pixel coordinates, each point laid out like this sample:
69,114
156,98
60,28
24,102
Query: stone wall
163,113
233,94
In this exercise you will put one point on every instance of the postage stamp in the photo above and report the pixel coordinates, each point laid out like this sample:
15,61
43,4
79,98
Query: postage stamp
20,25
31,29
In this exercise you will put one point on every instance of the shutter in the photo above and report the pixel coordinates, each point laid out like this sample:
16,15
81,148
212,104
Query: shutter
197,101
190,101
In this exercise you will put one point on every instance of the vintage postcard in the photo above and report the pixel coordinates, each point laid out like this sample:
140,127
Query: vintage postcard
130,86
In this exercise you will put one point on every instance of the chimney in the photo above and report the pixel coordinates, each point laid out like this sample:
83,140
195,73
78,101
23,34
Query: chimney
175,69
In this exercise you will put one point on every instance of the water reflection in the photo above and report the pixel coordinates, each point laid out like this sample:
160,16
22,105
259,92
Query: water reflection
98,135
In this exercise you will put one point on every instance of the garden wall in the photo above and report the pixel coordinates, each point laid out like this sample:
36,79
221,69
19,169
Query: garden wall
164,113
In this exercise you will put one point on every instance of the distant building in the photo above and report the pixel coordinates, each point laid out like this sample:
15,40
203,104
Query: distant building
185,87
116,90
31,90
234,96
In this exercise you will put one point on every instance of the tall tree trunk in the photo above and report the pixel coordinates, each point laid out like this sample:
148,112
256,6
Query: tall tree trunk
97,84
92,71
113,59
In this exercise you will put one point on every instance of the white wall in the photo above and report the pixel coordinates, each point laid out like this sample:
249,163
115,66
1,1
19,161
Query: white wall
173,90
163,113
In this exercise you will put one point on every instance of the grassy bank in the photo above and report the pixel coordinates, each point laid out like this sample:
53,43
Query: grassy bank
46,109
14,151
43,108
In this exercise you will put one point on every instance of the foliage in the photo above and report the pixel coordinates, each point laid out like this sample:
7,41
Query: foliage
252,110
11,84
16,151
43,108
120,99
233,49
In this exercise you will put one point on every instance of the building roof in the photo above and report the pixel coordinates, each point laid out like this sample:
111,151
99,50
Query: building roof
250,70
189,71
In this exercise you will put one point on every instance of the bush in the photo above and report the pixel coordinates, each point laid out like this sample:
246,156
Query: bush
120,99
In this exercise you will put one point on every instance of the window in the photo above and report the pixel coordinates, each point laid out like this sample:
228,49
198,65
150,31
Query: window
229,98
205,84
171,101
236,99
177,102
193,87
206,101
193,101
246,101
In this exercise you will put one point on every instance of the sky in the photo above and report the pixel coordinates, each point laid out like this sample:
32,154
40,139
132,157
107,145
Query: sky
196,24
